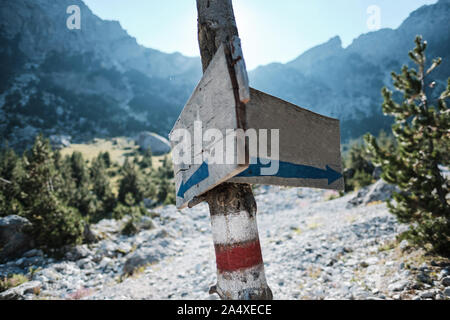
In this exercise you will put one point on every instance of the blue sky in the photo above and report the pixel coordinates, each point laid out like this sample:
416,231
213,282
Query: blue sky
271,30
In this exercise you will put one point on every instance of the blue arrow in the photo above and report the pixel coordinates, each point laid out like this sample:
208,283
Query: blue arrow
201,174
291,171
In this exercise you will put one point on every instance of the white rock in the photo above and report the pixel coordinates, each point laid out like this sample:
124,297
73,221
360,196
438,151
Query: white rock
19,292
157,144
398,286
446,282
428,295
447,292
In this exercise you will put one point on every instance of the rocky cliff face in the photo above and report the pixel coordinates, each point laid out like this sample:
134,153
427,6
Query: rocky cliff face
89,82
41,25
346,83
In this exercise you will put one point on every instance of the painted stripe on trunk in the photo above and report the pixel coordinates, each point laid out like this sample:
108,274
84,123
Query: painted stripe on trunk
237,257
234,228
232,283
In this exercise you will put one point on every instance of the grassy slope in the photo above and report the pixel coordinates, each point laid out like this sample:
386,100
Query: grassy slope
118,148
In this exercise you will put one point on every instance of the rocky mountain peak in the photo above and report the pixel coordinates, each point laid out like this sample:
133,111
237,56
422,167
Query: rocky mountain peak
41,25
320,52
96,81
346,82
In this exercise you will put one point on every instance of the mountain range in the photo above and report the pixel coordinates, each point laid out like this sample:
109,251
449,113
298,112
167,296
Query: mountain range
92,82
346,82
99,82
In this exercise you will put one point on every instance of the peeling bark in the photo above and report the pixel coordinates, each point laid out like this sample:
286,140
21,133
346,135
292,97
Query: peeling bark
216,25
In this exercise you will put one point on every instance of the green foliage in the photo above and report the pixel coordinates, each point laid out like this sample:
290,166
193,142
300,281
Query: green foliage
9,189
120,211
422,133
12,281
79,170
101,188
60,195
147,161
358,161
129,208
83,198
358,167
8,161
166,170
131,183
54,224
130,228
166,193
361,179
166,188
136,212
106,157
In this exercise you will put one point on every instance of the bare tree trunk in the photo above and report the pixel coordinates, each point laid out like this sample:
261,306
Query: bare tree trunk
240,267
216,25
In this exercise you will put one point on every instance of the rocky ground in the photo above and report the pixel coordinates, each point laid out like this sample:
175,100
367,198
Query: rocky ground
314,247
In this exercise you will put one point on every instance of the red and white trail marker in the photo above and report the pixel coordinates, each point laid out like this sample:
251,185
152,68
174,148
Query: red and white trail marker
238,253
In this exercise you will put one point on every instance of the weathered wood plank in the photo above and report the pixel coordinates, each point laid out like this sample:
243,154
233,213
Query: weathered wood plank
309,145
240,70
213,103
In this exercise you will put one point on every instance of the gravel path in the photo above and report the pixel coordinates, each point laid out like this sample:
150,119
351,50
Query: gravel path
313,248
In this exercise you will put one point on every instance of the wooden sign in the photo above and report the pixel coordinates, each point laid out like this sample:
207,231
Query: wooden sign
214,104
309,145
303,147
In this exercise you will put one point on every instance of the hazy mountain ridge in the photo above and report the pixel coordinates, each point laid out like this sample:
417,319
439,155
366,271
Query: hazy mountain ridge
42,26
346,82
97,81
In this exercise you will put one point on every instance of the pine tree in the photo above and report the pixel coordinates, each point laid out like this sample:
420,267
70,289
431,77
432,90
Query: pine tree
131,182
8,161
166,170
54,224
358,159
3,203
65,184
147,161
99,177
163,179
359,168
79,170
166,192
101,188
12,190
422,134
83,199
106,159
8,189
